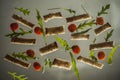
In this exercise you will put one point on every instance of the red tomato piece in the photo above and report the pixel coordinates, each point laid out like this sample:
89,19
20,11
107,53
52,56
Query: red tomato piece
99,21
14,26
72,27
30,53
38,30
101,55
37,66
76,49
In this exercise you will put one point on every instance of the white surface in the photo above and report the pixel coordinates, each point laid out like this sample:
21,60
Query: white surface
109,72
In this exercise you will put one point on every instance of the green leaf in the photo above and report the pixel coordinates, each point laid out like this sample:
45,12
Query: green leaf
24,11
47,62
20,33
92,55
74,66
103,10
109,35
63,43
23,56
17,77
85,24
83,32
111,54
94,40
40,22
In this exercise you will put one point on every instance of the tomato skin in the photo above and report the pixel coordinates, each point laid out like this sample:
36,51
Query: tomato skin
38,30
76,49
14,26
37,66
99,21
101,55
72,27
30,52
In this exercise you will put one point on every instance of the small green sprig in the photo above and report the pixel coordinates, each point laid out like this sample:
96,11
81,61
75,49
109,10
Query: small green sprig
23,56
40,22
66,9
92,55
47,62
24,11
85,31
17,77
63,43
85,24
16,34
103,10
109,34
74,66
94,40
111,54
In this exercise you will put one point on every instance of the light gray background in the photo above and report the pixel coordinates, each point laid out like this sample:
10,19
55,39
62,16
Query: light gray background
109,72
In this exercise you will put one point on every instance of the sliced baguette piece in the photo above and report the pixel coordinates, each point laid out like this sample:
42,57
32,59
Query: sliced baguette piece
24,41
103,45
79,36
54,30
61,63
102,28
77,18
52,16
90,62
17,62
48,48
22,21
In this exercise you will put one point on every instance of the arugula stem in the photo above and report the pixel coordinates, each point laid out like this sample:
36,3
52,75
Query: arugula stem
74,66
16,34
40,22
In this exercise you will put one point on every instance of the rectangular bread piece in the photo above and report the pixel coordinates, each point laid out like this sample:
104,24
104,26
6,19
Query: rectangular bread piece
23,21
103,45
54,30
60,63
79,36
17,62
90,62
102,28
24,41
48,48
52,16
78,18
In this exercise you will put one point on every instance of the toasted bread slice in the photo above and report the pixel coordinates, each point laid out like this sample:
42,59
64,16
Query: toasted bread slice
60,63
52,16
23,21
90,62
48,48
17,62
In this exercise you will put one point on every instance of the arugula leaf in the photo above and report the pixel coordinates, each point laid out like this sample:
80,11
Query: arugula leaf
19,77
22,55
94,40
103,10
109,35
40,22
83,32
24,11
74,66
63,43
92,55
16,34
85,24
111,54
66,9
46,62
